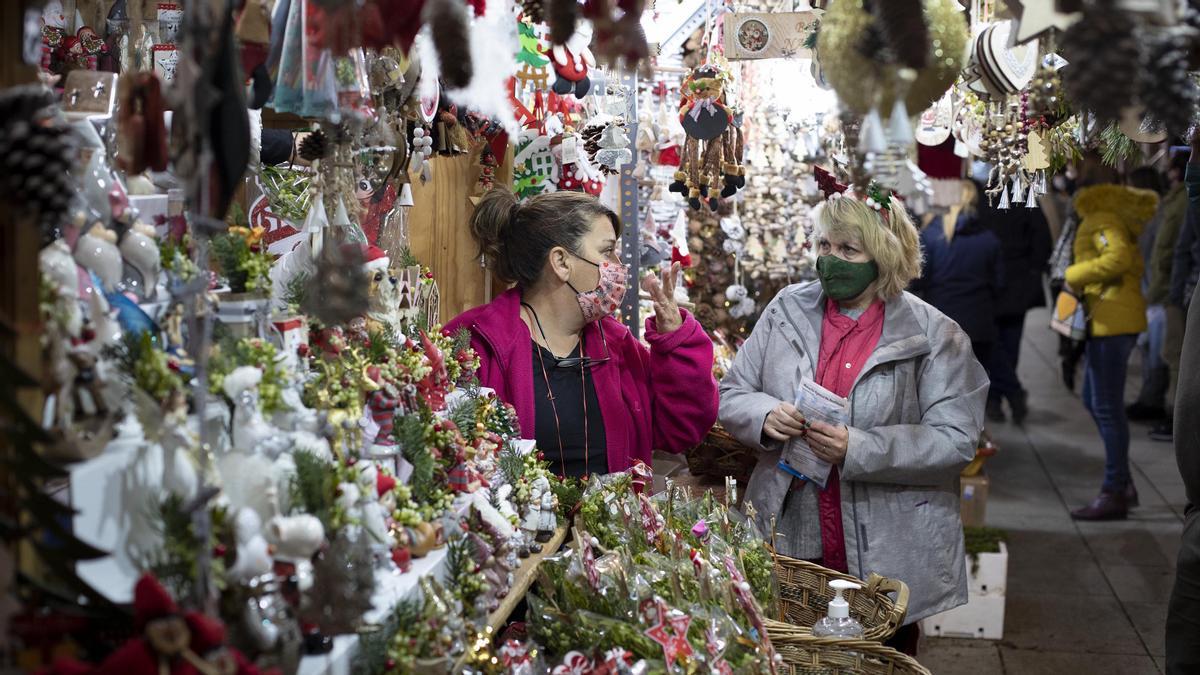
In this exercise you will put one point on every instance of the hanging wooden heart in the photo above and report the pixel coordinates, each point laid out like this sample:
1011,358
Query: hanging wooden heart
1010,68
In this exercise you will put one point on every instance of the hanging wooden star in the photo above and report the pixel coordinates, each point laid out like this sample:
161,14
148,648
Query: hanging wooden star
1034,18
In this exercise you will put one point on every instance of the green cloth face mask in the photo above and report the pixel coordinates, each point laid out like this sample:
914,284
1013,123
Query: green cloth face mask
844,280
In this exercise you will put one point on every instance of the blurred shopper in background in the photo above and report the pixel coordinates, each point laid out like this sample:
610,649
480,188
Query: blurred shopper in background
1158,248
1183,612
963,273
1107,273
1025,248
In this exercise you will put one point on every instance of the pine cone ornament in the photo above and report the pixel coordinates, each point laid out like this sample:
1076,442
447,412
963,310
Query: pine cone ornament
1104,56
315,146
1168,91
36,150
1191,15
344,576
448,21
561,16
1045,96
903,30
337,293
534,10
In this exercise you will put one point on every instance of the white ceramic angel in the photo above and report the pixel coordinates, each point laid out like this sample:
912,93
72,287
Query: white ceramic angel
547,515
253,552
251,432
533,513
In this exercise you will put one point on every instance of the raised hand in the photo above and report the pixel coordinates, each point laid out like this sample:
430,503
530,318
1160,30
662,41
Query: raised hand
662,293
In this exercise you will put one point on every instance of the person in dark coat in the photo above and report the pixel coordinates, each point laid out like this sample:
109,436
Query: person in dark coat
1025,244
963,274
1183,610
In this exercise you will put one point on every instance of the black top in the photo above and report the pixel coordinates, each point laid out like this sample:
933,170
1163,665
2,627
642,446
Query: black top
568,385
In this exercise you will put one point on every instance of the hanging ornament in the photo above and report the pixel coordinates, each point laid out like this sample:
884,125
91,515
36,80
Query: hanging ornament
1104,56
449,27
899,128
338,291
712,153
1167,90
864,77
572,60
533,164
315,146
871,138
614,147
1045,94
36,153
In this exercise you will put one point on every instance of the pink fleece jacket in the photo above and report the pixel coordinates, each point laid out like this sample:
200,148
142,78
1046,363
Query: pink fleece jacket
662,399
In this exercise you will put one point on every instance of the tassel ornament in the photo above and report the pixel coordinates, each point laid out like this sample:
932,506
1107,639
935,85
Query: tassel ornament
871,138
899,128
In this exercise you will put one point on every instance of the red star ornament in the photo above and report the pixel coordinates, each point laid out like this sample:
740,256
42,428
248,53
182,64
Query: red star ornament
671,633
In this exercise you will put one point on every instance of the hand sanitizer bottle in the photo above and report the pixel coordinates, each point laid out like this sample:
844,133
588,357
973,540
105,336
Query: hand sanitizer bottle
839,623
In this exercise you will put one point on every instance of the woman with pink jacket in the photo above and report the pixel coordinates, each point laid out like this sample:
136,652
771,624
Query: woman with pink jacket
593,397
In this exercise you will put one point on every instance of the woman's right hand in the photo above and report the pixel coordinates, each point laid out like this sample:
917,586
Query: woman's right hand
784,423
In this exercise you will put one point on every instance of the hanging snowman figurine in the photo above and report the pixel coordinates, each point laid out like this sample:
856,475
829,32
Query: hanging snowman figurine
572,61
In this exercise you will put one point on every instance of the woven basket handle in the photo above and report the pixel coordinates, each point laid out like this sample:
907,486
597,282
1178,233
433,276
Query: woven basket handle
877,584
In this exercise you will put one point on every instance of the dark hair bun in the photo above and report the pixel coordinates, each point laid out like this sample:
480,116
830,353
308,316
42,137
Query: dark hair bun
516,239
491,225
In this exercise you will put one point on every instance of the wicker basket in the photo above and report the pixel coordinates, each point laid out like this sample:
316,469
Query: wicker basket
721,455
804,596
804,654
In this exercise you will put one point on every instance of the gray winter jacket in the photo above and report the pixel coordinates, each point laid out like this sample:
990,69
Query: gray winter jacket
916,414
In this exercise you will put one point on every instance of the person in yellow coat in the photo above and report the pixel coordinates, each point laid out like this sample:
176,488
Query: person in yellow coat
1107,273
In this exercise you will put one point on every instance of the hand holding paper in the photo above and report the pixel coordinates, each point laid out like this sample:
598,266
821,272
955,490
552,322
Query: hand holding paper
813,454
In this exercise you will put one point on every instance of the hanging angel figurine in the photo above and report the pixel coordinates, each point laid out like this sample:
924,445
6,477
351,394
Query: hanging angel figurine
712,153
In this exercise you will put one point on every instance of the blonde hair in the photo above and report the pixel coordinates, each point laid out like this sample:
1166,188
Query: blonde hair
968,205
893,243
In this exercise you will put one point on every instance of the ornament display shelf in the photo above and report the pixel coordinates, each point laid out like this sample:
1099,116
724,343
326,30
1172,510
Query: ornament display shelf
523,579
391,588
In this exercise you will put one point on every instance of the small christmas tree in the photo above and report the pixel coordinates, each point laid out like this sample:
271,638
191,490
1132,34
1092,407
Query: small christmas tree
533,61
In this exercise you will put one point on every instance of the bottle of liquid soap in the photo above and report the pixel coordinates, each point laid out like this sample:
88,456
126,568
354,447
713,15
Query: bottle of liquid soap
839,623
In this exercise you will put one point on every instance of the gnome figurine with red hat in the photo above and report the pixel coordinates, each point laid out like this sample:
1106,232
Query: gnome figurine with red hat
168,641
383,310
382,404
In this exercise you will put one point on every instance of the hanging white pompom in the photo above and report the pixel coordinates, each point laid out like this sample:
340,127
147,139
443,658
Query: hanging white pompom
736,293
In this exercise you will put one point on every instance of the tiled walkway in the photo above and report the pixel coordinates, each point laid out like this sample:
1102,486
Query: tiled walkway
1082,597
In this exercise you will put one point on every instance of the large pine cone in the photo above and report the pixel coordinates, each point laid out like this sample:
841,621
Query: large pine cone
1104,57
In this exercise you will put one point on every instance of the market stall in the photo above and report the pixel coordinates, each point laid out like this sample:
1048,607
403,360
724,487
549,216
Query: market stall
238,437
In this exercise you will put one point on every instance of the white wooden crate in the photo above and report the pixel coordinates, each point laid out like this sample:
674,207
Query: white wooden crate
982,617
990,577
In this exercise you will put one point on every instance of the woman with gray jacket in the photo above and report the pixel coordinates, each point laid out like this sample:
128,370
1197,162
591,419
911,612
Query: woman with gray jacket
890,504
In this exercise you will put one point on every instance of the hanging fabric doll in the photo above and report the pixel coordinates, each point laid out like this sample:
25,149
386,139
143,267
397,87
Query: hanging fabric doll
712,153
572,61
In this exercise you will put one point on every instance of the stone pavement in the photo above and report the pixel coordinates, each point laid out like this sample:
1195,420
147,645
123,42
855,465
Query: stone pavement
1084,597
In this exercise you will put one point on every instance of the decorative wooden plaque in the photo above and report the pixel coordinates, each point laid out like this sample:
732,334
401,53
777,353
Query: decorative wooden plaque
768,36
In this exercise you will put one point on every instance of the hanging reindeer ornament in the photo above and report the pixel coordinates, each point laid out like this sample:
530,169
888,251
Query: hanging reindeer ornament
711,166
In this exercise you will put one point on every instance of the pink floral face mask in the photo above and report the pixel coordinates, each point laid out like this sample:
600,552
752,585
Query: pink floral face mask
608,294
